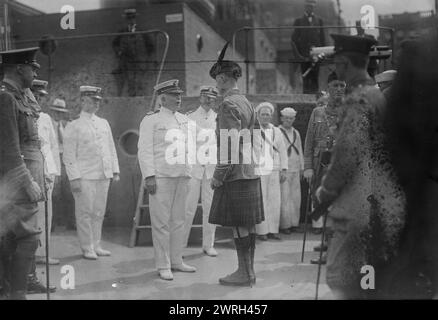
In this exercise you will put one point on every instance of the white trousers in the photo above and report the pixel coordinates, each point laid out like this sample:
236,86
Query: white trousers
290,201
167,211
41,251
90,205
198,187
271,203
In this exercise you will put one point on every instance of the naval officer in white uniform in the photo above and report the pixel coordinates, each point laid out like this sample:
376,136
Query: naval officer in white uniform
91,162
202,172
163,141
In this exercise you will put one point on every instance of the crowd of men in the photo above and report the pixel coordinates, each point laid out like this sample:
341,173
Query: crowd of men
355,190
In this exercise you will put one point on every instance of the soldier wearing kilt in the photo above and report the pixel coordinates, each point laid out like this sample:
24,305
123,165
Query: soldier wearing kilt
237,200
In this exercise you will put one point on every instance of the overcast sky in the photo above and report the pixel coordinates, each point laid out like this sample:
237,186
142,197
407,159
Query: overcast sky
350,8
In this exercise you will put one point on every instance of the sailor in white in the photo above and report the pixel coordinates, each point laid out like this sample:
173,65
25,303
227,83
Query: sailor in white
272,172
91,162
202,171
291,188
162,154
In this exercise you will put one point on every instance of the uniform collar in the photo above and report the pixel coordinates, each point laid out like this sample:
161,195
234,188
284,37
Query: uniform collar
232,92
164,110
87,115
291,128
202,111
270,126
15,85
359,80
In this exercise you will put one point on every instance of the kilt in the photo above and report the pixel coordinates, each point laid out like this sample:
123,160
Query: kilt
237,204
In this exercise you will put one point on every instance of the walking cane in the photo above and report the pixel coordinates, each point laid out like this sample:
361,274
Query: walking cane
308,204
320,254
46,222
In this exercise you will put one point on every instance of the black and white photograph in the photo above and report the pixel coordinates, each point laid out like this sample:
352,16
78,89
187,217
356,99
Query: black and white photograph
218,155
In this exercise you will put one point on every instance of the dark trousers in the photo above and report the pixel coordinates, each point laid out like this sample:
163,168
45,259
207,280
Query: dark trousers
310,82
63,201
16,258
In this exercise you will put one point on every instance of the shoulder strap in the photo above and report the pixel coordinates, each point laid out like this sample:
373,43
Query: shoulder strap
262,132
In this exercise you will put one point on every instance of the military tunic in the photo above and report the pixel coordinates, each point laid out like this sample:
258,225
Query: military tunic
367,204
320,138
21,160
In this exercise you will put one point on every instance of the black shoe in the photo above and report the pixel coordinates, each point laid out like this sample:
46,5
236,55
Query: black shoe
35,286
274,236
263,237
316,261
317,230
318,248
285,231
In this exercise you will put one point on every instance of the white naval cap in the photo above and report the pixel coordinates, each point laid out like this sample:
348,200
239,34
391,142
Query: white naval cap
90,91
170,87
210,91
265,105
288,112
40,86
385,76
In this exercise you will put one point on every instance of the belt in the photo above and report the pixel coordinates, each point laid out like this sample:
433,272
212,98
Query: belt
32,144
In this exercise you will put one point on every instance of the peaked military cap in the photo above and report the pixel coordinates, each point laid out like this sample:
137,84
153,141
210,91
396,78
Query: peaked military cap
225,66
20,56
90,91
209,91
170,87
40,87
347,43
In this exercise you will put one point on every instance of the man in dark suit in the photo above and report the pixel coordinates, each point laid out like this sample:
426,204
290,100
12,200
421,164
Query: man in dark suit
132,51
305,39
21,171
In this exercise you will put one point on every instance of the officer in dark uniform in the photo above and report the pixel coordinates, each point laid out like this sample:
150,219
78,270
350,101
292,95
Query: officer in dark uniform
132,50
21,171
366,203
305,39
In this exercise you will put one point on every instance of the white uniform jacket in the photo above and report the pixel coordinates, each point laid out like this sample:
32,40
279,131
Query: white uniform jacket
89,150
206,142
163,145
273,153
49,145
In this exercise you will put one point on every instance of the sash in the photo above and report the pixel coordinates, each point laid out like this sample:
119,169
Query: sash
291,144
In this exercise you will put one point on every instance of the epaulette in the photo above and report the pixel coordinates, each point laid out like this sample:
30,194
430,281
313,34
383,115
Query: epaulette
190,112
152,112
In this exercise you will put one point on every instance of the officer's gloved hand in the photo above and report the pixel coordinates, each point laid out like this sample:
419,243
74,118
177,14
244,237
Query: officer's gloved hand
308,175
151,184
34,192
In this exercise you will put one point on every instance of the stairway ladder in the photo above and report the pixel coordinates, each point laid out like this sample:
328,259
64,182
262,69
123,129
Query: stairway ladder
140,209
